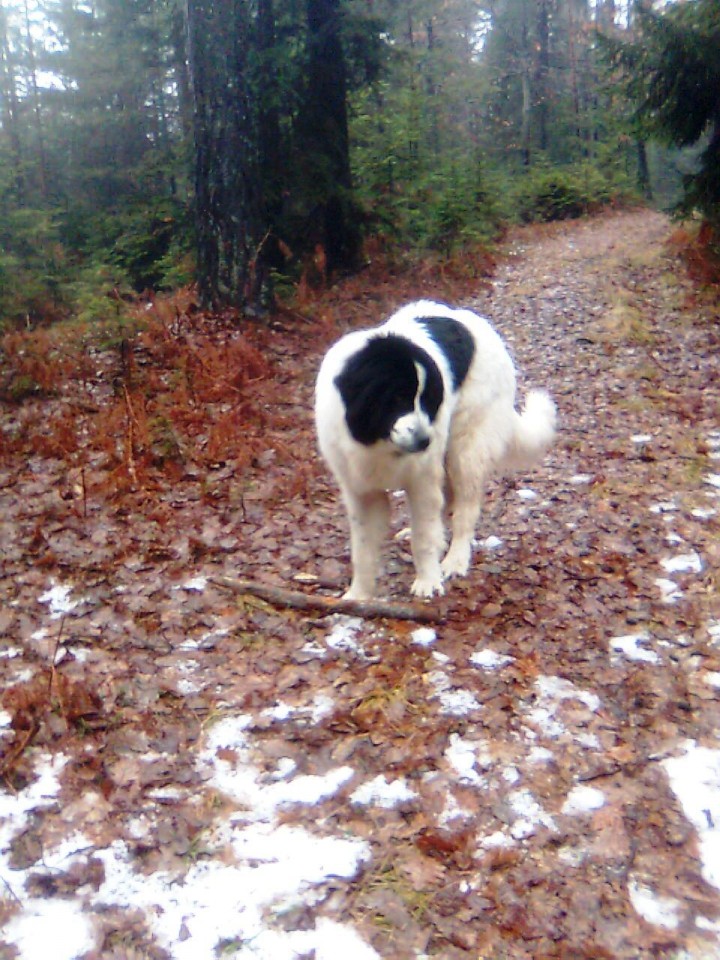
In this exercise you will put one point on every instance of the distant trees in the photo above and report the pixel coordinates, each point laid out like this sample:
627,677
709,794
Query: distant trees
146,141
670,70
272,149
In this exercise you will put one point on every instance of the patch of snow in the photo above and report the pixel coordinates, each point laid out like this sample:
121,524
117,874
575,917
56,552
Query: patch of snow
669,590
286,766
9,653
490,660
714,631
641,438
526,494
423,636
195,583
540,755
497,840
557,688
381,793
462,755
58,600
668,506
332,940
452,811
42,791
583,799
530,815
704,923
701,514
551,692
683,563
631,646
491,543
28,930
659,911
713,679
70,933
271,868
572,856
713,479
695,780
344,633
276,867
580,479
279,712
456,703
322,706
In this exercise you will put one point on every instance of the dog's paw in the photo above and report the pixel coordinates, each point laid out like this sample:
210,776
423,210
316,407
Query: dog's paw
357,593
455,564
428,587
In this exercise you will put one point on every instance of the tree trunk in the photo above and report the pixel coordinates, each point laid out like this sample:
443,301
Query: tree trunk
226,169
9,98
543,71
324,140
37,114
643,169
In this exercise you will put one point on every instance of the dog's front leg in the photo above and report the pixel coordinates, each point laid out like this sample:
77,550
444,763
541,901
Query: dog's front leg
369,519
428,536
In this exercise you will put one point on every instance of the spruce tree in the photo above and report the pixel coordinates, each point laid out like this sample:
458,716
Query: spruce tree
671,71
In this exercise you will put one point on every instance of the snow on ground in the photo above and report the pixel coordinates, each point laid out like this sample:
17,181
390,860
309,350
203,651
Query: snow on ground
270,867
273,867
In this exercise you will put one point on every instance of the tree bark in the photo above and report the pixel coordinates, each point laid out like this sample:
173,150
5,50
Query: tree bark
324,140
227,183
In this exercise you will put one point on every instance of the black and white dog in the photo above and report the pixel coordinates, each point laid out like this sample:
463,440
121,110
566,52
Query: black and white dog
423,403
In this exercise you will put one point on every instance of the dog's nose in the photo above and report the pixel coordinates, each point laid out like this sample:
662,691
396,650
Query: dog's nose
422,443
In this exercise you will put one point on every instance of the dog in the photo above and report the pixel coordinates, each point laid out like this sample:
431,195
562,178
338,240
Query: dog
424,403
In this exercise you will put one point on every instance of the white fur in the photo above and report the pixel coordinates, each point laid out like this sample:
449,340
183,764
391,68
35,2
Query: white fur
477,432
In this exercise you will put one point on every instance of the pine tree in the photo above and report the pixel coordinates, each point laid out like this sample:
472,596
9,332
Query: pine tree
671,71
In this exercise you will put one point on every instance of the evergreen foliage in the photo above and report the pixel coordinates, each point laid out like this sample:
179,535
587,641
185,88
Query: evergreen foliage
286,130
671,72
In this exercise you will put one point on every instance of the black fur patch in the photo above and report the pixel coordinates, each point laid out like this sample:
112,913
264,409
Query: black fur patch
379,384
455,341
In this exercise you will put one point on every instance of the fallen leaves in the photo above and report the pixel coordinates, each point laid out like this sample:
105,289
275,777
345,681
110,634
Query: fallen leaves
488,850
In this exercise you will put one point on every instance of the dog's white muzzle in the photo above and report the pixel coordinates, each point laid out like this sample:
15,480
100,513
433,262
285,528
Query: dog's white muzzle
411,433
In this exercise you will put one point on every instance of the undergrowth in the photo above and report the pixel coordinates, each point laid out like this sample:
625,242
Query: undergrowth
699,246
147,399
162,390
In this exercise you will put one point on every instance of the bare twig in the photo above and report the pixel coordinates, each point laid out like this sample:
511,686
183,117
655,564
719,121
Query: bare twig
367,609
14,755
130,441
53,673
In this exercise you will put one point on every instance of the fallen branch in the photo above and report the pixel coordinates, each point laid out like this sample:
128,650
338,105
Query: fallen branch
367,609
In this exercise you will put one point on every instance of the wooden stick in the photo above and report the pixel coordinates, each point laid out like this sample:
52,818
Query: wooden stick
367,609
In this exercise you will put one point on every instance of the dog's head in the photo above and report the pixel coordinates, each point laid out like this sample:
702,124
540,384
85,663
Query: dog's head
391,390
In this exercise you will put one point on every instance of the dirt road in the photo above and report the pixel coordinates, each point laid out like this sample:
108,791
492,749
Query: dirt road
191,776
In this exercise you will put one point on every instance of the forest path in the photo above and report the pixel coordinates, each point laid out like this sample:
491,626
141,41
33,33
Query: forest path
538,776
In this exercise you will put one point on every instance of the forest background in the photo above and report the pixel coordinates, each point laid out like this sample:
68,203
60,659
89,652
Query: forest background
255,147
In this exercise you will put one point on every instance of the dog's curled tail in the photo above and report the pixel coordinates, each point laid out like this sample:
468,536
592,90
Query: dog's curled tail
534,431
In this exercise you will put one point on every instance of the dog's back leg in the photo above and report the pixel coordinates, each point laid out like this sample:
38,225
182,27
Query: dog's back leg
369,515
